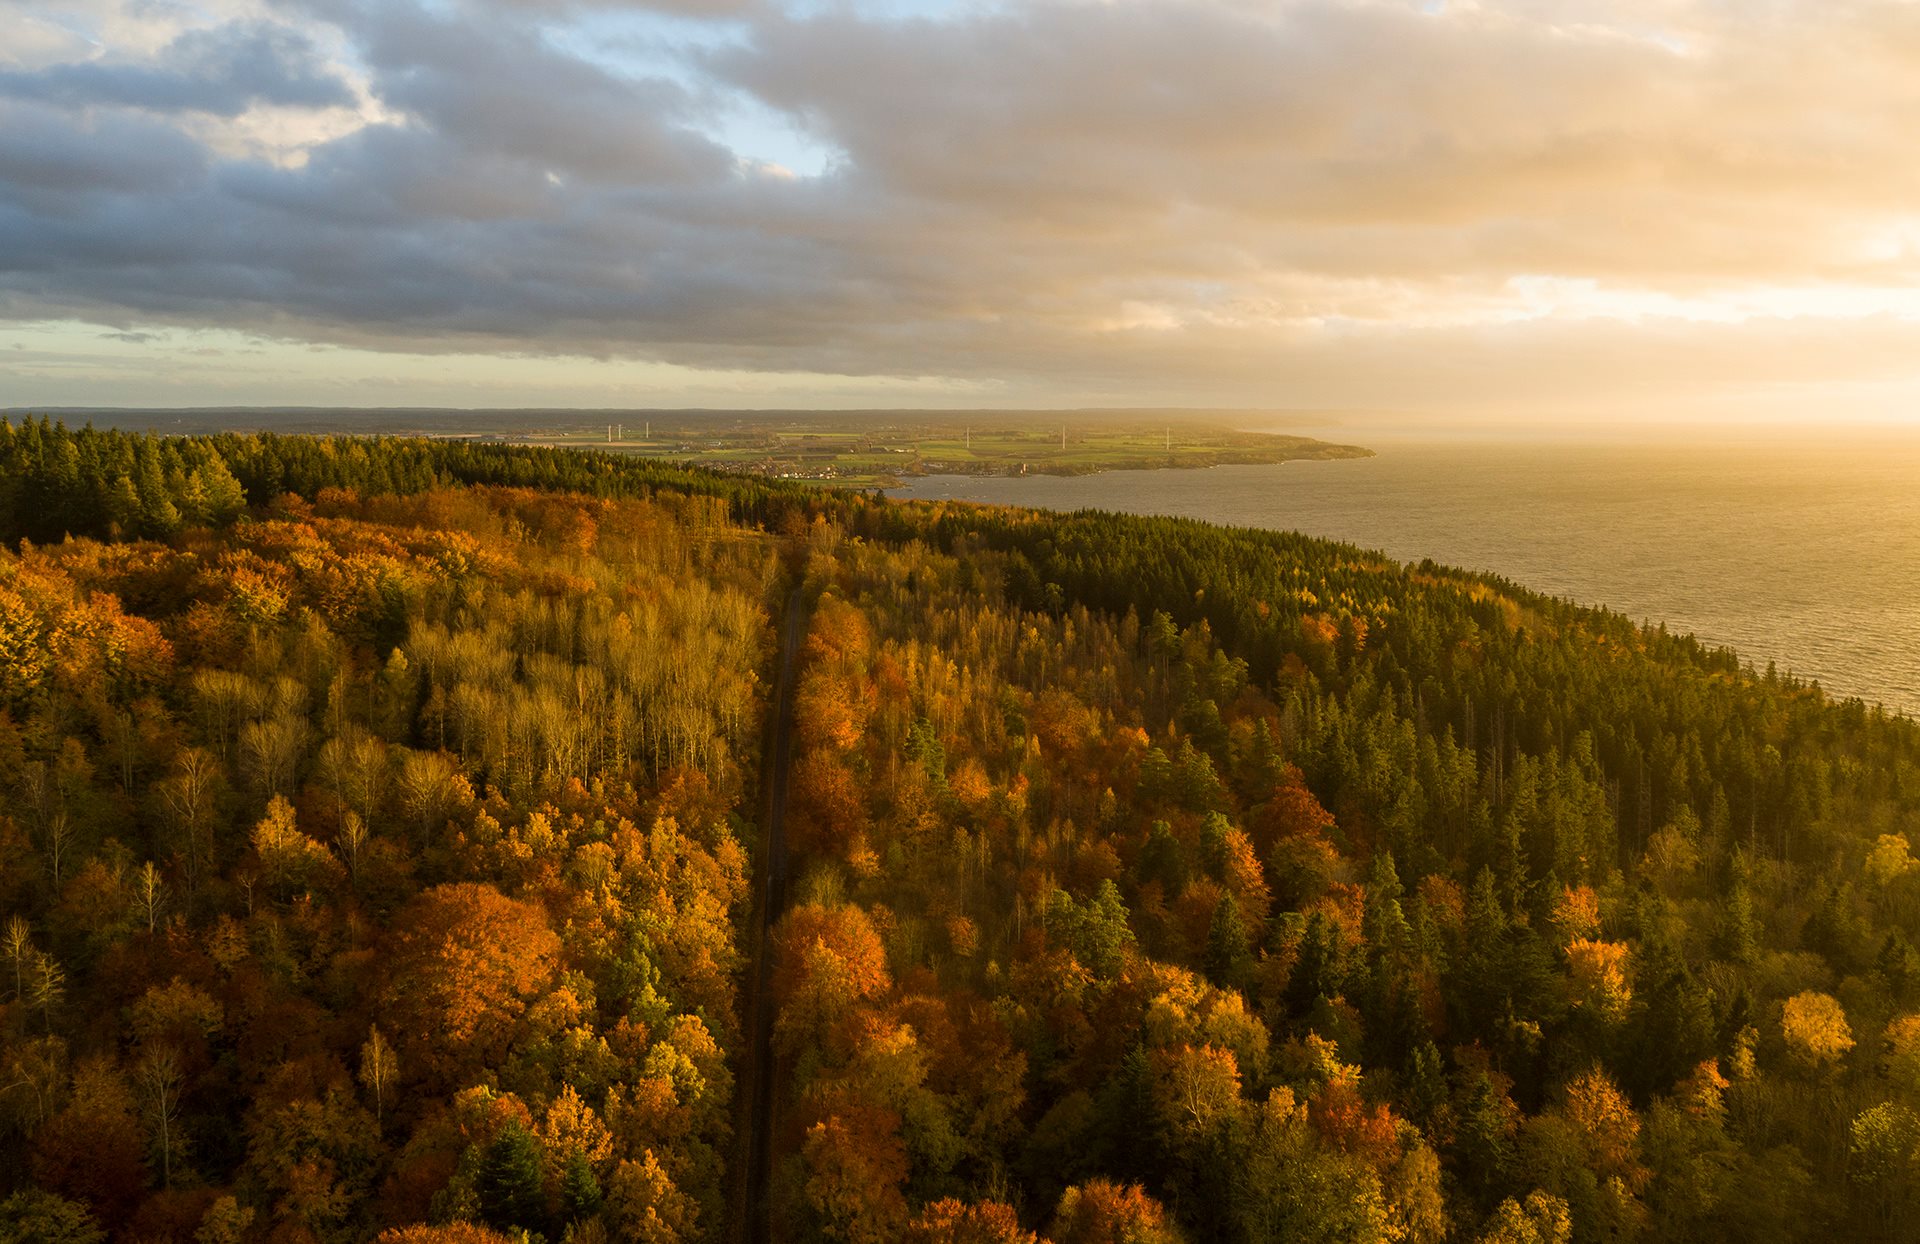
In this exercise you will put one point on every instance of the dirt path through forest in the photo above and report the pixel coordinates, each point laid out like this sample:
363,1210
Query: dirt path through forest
756,1149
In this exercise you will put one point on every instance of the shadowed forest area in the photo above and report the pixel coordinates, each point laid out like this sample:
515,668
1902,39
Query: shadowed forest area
380,831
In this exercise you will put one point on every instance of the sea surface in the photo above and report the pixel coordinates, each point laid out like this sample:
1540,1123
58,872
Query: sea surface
1806,554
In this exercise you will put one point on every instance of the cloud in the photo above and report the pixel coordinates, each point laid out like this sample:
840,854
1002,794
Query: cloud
224,71
1325,201
1375,140
497,91
50,163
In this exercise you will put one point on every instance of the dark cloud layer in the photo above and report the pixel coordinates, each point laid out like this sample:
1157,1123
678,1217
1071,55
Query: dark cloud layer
223,71
1168,198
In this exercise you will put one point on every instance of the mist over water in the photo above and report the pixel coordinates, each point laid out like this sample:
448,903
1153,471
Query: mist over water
1806,554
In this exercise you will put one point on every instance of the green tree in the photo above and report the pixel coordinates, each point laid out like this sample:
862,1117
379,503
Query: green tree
1096,931
510,1185
580,1195
1229,958
31,1216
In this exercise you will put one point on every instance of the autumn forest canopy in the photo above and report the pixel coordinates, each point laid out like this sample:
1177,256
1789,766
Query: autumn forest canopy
385,854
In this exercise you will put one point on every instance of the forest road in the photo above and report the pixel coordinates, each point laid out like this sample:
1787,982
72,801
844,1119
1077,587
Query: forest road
753,1224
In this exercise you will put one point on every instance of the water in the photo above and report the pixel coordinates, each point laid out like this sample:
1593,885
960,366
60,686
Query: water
1803,554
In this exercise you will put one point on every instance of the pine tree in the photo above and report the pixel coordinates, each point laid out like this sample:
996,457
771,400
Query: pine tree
1317,972
579,1190
1739,933
123,505
1426,1084
1898,964
1213,845
225,499
158,516
1481,986
1162,860
1483,1142
1134,1151
1229,959
510,1189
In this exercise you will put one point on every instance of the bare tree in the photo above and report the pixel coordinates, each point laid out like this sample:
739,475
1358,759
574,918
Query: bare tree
351,839
33,1078
46,987
44,796
379,1071
149,891
57,838
17,944
427,789
187,798
157,1078
223,699
270,751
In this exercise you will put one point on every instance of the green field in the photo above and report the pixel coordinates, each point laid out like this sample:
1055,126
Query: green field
866,451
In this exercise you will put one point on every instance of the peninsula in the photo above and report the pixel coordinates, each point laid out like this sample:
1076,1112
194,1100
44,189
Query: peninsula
845,448
862,449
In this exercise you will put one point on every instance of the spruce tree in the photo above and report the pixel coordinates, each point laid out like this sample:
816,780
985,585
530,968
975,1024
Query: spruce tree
579,1190
510,1186
1229,960
1739,933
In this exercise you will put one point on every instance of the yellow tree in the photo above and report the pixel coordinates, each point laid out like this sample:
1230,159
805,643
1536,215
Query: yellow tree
290,862
1903,1051
1605,1119
1576,914
1543,1219
451,1233
1599,978
1890,859
1194,1087
1816,1028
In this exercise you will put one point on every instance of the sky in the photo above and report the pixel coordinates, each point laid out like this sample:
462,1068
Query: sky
1525,209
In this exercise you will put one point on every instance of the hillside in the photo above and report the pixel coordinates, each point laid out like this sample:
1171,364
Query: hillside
383,855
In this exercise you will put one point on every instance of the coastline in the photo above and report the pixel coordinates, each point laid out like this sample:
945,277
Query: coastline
1743,557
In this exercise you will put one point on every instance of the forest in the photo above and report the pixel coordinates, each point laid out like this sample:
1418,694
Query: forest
385,828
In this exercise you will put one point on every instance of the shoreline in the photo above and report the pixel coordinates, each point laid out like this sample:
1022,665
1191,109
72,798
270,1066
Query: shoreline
1675,557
